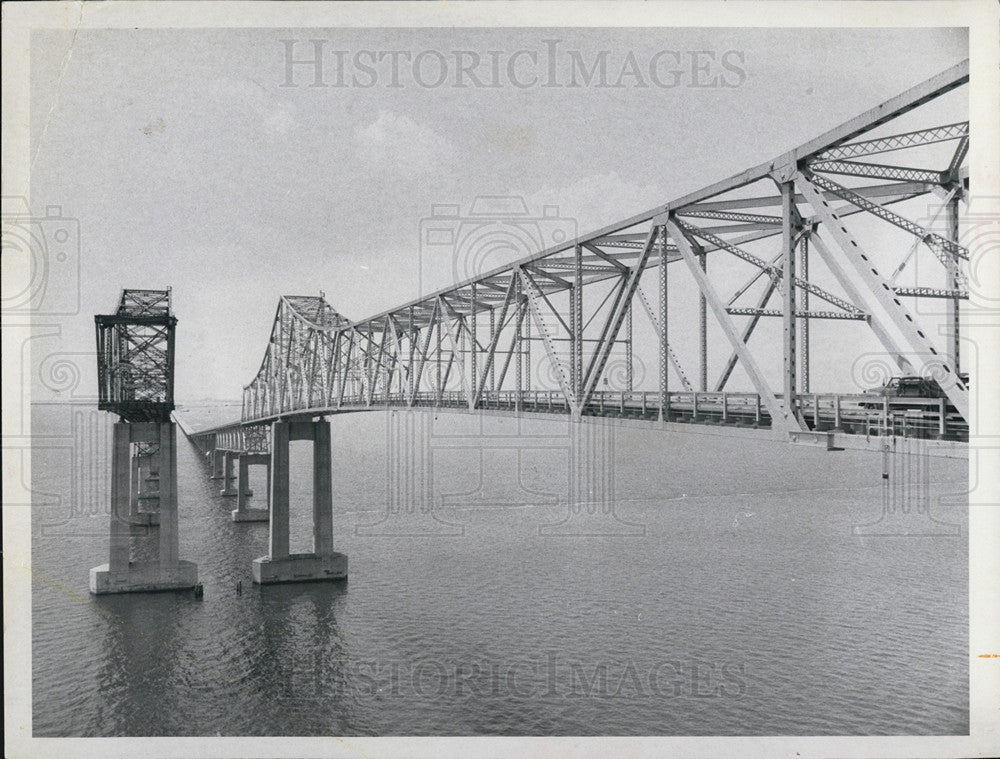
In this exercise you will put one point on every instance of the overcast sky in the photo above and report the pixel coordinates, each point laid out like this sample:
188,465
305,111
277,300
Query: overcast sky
192,158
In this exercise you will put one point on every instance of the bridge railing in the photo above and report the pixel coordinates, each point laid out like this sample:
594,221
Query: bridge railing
857,413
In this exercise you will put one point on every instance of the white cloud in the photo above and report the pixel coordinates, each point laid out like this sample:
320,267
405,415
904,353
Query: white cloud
396,143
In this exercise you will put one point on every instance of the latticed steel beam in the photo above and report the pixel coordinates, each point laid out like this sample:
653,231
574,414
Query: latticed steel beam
935,241
896,142
765,266
879,171
780,417
658,328
931,292
748,218
799,313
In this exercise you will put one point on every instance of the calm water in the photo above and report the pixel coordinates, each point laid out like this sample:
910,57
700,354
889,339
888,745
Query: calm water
727,594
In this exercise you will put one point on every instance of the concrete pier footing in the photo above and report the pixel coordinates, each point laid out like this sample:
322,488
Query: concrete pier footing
251,515
323,563
299,567
167,571
143,576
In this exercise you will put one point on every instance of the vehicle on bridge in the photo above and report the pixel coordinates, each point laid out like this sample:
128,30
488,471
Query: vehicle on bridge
908,392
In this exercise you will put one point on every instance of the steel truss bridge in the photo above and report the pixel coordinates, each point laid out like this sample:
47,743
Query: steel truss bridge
821,233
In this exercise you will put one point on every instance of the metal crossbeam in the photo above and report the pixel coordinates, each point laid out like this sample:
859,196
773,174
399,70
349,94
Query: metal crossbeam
879,171
799,314
935,241
896,142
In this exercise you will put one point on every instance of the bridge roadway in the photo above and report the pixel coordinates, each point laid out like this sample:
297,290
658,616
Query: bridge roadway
833,414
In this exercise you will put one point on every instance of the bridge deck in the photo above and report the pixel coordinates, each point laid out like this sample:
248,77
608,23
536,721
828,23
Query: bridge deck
856,414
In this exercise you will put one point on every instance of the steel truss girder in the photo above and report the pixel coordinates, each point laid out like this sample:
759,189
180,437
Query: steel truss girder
933,239
880,171
562,375
609,334
798,313
658,328
931,292
768,267
880,294
316,357
895,142
781,418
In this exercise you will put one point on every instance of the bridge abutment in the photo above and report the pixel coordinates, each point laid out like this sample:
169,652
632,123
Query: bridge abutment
323,563
167,571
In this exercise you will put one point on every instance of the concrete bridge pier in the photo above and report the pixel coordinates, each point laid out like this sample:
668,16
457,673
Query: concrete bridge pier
218,462
228,459
323,563
167,571
144,504
242,512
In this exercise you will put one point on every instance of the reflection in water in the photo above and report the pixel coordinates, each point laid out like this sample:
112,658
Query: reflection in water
141,655
303,658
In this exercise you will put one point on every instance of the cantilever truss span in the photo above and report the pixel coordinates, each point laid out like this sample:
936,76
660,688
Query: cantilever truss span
135,357
590,326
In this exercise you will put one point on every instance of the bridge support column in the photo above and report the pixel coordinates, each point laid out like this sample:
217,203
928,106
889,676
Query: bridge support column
242,512
167,571
145,501
228,476
323,563
218,462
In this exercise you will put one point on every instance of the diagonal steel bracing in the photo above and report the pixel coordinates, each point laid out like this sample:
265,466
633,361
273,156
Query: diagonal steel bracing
780,417
922,355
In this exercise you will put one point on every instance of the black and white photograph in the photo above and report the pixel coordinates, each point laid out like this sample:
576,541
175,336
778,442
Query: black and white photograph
501,379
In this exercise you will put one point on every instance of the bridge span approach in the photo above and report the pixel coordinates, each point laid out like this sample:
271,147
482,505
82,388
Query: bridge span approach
831,237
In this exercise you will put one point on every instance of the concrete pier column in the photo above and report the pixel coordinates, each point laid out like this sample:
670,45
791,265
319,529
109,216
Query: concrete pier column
121,465
242,482
410,506
168,497
278,504
167,571
228,476
145,488
243,512
134,487
218,462
322,491
323,563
